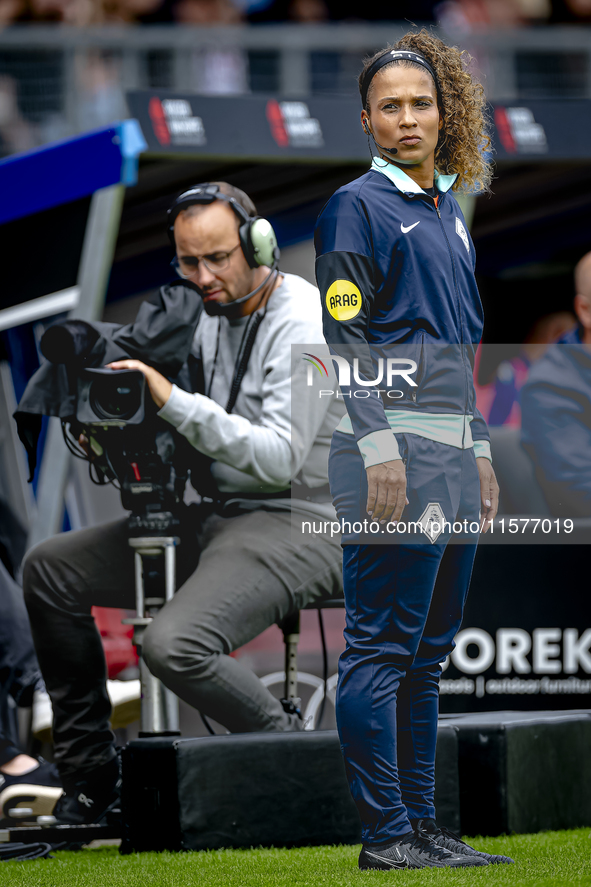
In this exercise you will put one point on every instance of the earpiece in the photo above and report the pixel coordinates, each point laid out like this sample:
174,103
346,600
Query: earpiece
388,150
257,238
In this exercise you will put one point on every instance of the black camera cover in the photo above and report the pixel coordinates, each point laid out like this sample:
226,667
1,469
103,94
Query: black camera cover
160,336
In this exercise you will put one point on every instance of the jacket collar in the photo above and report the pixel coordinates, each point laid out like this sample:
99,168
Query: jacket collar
403,182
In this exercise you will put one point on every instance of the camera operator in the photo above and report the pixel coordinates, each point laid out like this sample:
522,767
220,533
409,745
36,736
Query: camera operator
249,565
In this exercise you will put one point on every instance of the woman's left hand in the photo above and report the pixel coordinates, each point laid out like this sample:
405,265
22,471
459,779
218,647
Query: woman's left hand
489,492
160,387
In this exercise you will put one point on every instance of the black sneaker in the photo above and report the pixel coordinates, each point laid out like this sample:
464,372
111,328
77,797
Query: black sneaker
36,791
449,841
413,851
91,797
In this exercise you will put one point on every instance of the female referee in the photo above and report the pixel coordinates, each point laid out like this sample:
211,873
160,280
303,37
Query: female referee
395,269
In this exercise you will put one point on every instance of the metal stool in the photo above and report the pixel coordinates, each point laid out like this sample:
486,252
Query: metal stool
323,687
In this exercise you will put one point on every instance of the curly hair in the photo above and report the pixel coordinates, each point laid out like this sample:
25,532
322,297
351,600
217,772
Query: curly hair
464,139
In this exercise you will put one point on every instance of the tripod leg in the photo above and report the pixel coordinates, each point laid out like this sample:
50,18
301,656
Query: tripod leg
153,716
169,571
160,707
139,584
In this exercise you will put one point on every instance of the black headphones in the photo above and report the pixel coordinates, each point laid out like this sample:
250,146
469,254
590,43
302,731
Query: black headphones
257,238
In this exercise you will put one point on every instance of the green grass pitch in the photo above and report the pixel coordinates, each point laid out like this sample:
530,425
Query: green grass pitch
548,858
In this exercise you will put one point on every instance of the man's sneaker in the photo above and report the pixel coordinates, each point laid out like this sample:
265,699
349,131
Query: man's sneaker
449,841
413,851
30,794
90,797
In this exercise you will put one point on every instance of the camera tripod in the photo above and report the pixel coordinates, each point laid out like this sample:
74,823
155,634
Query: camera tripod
159,715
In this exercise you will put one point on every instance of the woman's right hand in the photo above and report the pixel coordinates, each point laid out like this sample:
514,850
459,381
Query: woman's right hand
386,491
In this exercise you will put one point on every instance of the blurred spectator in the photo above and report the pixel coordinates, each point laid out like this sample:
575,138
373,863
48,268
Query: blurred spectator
308,11
70,12
341,10
206,12
478,15
9,11
82,13
571,12
217,70
99,79
124,12
556,411
19,677
15,133
498,401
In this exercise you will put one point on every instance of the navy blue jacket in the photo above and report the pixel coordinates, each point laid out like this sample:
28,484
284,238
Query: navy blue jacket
556,425
396,278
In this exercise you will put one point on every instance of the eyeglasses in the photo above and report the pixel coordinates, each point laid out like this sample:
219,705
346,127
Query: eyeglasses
187,266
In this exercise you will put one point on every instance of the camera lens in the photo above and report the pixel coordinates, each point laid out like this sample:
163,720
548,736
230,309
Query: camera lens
116,398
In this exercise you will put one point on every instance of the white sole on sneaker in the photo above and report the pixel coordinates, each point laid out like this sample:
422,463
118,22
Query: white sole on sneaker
40,799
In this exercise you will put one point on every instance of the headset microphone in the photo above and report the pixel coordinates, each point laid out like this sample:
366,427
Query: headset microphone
227,308
388,150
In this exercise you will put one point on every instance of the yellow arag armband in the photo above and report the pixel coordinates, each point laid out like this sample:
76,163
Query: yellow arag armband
343,300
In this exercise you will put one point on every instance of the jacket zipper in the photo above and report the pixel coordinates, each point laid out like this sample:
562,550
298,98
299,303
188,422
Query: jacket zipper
453,267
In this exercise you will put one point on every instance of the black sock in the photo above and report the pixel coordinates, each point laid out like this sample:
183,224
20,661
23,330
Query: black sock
426,825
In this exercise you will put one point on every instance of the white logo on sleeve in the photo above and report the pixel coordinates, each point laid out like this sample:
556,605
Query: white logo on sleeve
432,521
461,232
410,227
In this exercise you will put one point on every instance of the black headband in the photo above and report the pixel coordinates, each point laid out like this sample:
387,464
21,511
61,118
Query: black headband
394,55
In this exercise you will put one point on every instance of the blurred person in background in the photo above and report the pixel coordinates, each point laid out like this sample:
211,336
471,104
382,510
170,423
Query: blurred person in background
9,10
21,775
215,70
556,411
16,134
498,399
310,11
99,79
207,12
571,12
85,13
79,13
479,15
130,12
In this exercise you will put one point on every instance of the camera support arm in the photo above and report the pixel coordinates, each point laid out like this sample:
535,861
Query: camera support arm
160,707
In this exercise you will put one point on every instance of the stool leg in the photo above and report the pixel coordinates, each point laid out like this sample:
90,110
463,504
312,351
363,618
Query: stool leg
291,637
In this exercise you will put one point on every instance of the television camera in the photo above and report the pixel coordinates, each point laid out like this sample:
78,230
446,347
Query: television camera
114,426
116,429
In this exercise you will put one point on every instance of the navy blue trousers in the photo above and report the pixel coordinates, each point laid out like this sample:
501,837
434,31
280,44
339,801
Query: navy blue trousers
404,597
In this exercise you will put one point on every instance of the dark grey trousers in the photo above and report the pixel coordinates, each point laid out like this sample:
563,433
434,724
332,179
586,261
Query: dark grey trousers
239,576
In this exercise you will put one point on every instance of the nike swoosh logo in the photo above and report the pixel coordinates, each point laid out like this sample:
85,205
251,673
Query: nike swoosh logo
410,227
403,864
